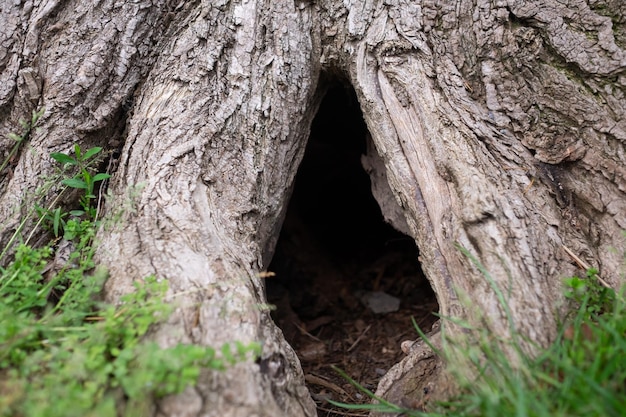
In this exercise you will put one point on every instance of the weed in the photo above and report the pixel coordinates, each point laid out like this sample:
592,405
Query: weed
591,298
83,178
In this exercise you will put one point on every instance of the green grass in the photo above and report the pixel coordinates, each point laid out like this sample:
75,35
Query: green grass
64,352
583,372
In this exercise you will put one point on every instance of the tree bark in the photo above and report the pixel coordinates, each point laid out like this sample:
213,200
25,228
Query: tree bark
496,126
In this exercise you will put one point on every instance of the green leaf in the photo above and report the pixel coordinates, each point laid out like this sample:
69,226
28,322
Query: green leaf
15,137
227,354
381,408
91,152
75,183
101,176
36,115
63,158
57,221
77,152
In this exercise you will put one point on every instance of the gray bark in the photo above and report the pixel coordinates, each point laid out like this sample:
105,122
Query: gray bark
497,125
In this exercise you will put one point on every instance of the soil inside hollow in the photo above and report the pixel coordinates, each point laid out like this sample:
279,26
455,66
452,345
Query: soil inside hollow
333,249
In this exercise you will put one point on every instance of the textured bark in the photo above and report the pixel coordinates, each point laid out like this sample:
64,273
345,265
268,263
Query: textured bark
497,125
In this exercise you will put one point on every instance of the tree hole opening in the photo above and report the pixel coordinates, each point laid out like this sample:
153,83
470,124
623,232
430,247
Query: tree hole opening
347,284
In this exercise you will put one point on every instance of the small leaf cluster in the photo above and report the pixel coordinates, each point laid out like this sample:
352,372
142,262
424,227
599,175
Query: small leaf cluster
78,171
588,295
83,177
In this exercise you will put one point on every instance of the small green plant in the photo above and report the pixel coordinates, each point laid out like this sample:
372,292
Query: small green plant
78,172
52,219
84,178
589,295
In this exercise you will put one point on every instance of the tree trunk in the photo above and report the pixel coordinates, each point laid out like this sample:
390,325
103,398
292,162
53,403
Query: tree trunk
496,126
